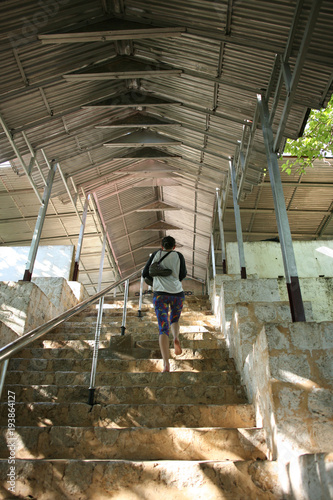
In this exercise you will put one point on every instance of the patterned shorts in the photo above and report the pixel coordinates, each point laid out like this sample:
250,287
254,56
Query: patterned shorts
161,304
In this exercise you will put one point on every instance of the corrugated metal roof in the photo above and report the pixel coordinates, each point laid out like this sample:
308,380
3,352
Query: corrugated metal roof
225,55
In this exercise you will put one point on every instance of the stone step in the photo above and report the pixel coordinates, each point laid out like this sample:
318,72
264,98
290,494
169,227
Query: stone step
152,379
150,480
137,326
186,333
135,443
110,353
130,415
109,365
199,334
190,394
145,344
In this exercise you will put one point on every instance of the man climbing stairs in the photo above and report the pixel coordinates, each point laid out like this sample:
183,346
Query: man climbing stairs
190,433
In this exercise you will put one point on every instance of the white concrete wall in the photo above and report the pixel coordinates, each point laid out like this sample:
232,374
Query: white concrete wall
51,261
264,258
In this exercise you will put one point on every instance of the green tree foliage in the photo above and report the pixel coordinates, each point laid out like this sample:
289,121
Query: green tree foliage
316,142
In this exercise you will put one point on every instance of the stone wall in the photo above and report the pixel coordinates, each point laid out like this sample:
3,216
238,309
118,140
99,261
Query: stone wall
26,305
230,288
287,370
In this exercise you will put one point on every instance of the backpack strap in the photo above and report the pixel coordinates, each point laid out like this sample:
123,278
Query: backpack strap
162,258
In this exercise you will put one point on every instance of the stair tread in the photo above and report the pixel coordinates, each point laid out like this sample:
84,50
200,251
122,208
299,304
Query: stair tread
123,415
168,443
203,394
170,480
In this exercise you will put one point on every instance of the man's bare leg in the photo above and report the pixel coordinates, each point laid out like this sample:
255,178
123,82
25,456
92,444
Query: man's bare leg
175,332
164,347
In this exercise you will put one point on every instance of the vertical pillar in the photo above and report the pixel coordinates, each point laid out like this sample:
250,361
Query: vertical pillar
80,241
39,223
289,261
237,220
219,211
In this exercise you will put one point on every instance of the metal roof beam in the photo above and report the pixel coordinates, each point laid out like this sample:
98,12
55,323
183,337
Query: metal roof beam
20,158
110,30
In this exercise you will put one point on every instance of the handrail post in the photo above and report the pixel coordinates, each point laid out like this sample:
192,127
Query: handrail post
4,366
98,328
140,299
213,254
95,354
123,325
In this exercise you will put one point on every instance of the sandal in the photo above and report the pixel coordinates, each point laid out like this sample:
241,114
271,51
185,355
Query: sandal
166,369
178,349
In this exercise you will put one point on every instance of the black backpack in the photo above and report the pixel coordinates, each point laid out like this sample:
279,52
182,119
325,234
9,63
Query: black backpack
155,269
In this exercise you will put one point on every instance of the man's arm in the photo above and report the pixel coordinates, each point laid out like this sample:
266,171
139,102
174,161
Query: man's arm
182,269
145,272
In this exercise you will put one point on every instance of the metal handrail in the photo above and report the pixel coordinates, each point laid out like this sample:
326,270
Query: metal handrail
13,347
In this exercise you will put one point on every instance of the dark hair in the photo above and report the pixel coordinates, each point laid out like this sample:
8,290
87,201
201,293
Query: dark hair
168,242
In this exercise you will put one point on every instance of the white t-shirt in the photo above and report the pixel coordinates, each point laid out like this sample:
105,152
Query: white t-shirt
168,284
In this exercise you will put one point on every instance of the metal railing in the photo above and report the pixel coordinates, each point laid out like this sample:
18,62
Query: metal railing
7,351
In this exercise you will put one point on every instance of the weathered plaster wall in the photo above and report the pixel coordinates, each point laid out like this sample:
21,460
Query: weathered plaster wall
264,258
51,260
317,290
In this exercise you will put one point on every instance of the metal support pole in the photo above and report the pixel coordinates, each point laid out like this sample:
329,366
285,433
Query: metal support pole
123,324
140,299
289,261
219,210
39,224
213,255
80,242
237,220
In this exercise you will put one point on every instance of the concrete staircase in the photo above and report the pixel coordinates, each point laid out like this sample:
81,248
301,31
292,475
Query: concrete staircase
185,434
